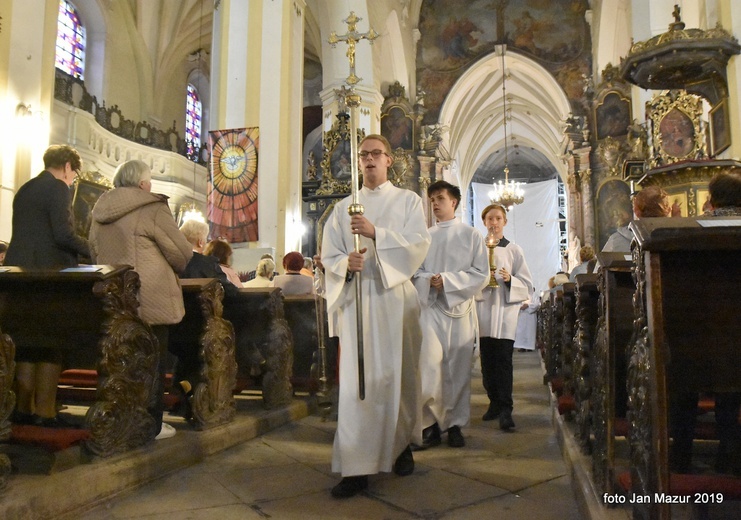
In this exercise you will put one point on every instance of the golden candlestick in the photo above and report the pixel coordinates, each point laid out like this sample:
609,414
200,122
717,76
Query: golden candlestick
491,243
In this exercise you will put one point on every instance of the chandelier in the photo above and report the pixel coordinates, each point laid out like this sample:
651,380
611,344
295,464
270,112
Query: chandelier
507,193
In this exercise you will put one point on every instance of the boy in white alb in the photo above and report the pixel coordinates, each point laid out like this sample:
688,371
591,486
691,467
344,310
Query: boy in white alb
456,268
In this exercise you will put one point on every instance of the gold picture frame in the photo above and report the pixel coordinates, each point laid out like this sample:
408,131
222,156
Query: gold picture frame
720,132
336,157
89,186
676,129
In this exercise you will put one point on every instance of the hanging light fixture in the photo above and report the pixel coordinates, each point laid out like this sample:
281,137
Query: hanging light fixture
507,193
189,210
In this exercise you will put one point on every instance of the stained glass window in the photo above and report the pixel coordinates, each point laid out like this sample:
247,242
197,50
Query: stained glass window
193,111
70,41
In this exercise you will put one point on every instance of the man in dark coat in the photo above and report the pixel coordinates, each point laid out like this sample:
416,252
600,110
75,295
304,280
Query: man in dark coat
44,238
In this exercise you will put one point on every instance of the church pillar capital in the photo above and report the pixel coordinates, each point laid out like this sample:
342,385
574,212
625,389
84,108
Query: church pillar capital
369,112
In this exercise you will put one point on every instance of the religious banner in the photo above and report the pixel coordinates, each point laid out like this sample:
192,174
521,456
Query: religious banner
232,187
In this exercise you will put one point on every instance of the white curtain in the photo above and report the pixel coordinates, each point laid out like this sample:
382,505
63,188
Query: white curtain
533,225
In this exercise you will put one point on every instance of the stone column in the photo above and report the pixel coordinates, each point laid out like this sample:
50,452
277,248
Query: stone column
257,79
585,176
574,209
586,204
27,94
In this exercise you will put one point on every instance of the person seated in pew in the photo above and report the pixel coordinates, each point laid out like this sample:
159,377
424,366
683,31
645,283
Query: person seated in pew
651,201
725,195
43,237
724,201
264,271
133,226
251,274
308,269
202,265
3,251
187,368
587,259
559,278
221,249
293,282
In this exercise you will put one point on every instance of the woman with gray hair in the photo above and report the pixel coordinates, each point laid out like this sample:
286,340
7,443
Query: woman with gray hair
133,226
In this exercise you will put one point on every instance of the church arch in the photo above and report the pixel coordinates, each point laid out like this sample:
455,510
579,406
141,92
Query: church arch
473,111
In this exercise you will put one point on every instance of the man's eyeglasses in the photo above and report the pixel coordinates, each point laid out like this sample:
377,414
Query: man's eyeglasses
374,153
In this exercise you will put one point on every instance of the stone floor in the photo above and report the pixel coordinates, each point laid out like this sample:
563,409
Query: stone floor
285,473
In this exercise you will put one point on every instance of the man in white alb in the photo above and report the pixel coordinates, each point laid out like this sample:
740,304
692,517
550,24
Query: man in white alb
373,435
455,270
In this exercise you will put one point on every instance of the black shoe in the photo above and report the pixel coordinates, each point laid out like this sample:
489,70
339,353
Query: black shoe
492,413
431,436
505,421
404,464
184,407
455,437
350,486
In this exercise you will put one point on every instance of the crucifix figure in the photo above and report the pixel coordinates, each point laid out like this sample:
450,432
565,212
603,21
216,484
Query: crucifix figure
352,37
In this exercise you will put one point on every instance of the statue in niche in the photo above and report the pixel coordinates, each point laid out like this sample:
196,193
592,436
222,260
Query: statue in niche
637,140
311,168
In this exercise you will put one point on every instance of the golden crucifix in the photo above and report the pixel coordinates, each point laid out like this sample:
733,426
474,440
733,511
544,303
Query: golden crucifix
351,99
352,37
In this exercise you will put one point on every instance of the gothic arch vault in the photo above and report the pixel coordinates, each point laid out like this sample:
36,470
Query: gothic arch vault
536,109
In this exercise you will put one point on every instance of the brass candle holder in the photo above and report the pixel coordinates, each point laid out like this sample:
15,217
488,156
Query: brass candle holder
491,243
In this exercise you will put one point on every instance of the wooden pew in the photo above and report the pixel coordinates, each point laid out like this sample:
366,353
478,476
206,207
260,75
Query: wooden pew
301,314
93,317
568,353
587,297
687,331
261,330
553,338
609,363
209,338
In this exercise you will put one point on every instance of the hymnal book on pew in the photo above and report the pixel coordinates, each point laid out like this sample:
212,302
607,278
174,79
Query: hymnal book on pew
82,269
719,222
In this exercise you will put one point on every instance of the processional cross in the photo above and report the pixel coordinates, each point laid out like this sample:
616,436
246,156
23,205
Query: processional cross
351,99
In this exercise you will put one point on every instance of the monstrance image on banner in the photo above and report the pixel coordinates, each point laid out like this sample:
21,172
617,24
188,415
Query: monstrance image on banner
232,188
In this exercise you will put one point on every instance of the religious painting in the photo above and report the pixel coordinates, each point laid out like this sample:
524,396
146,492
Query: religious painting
678,202
703,201
232,186
340,161
336,164
675,123
85,196
457,35
720,135
677,133
398,127
612,116
615,209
